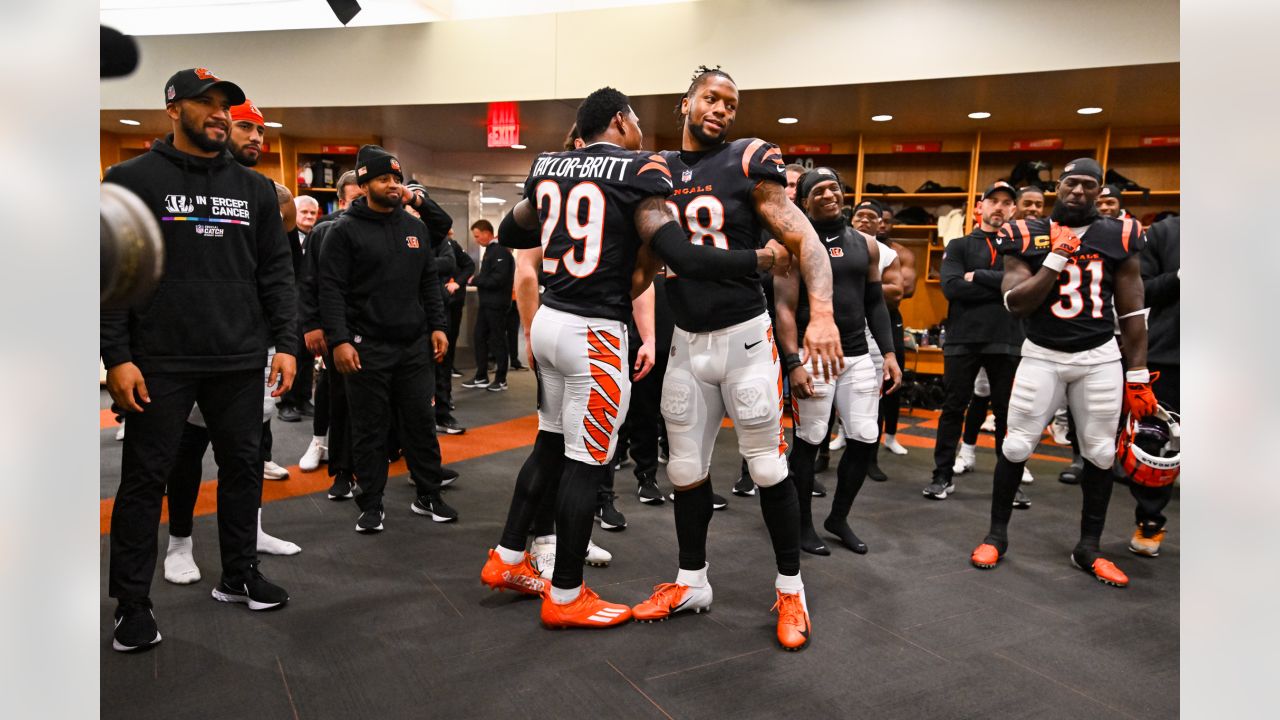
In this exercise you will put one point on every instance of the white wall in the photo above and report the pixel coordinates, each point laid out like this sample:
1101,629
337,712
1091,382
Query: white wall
650,50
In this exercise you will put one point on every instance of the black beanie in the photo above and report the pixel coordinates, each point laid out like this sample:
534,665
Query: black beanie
815,176
870,204
1082,166
372,161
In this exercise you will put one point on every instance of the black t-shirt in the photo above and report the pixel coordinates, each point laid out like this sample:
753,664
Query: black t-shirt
847,250
1080,315
586,201
713,200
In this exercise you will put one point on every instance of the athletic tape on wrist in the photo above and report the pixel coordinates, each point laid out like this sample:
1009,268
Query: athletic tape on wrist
1055,262
1138,375
1006,301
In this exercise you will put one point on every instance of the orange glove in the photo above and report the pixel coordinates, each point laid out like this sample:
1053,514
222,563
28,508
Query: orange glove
1139,399
1062,240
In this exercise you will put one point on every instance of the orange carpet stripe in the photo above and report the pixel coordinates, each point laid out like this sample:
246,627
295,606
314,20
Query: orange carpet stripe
106,419
477,442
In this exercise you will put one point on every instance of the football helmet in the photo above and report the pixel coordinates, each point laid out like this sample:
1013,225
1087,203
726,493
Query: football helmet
1148,448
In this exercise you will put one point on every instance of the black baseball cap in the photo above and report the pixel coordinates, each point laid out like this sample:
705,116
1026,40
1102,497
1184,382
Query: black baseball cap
999,186
194,81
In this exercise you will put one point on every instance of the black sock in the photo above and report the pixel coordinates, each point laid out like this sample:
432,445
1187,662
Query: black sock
801,461
1095,484
575,510
781,511
693,517
538,475
850,474
1004,486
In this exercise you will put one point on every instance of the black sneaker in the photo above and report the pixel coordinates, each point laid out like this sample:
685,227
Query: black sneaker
718,502
308,409
255,591
873,471
940,488
745,486
447,476
448,426
289,414
819,490
435,507
647,491
341,488
477,382
453,372
608,515
518,367
135,627
1021,500
1071,473
370,521
497,386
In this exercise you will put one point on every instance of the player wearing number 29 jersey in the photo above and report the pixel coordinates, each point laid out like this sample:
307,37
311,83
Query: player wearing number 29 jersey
1074,277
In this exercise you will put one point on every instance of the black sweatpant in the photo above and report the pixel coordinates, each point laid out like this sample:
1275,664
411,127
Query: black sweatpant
397,378
443,389
320,424
1151,502
300,392
891,404
231,403
338,419
513,335
490,335
183,485
974,417
639,434
958,374
455,327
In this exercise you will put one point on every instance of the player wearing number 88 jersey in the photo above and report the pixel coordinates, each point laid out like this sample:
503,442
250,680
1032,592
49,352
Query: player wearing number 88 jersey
1074,276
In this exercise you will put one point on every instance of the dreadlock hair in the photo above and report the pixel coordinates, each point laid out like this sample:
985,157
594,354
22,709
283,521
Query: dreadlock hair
702,73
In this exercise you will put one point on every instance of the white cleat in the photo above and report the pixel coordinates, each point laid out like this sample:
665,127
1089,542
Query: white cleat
1058,431
989,425
316,453
966,460
892,445
598,556
1027,477
272,471
837,438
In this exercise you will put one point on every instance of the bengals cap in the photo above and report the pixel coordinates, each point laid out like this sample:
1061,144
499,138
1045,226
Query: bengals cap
194,81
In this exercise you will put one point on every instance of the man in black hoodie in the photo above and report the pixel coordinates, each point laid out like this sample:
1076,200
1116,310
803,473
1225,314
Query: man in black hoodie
980,334
227,295
384,320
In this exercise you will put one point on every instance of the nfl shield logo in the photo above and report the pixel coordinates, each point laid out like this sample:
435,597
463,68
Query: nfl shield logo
686,176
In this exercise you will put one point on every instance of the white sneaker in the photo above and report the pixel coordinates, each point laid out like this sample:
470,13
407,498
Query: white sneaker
966,459
120,433
272,471
179,565
837,438
989,425
892,445
316,452
598,556
1027,477
1058,431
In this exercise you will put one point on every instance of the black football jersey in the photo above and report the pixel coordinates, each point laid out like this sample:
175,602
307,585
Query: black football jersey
713,200
847,251
586,201
1080,315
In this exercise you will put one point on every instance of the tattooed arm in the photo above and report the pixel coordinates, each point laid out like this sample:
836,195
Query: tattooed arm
790,227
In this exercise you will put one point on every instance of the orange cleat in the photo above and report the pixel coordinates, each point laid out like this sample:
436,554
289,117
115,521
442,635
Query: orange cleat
588,611
1105,571
521,577
985,556
670,598
1147,545
793,621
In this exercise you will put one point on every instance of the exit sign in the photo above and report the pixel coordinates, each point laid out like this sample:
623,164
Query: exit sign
503,124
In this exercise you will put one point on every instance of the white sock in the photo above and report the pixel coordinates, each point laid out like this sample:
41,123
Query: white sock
791,585
545,539
693,578
179,565
564,597
967,449
318,439
509,556
274,545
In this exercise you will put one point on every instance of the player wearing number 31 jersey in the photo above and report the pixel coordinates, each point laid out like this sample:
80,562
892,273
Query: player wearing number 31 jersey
1072,276
598,213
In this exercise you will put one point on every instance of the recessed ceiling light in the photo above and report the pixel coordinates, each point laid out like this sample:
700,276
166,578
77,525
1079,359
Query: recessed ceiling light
518,146
979,115
881,118
788,120
1089,110
124,121
273,124
492,201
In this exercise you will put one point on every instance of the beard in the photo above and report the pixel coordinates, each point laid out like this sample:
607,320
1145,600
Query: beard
703,138
198,138
244,158
1074,217
386,200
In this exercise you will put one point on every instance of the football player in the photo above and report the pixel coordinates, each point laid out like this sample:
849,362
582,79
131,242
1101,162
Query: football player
723,354
1072,275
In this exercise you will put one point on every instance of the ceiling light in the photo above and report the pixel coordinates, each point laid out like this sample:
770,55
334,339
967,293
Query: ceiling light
492,201
124,121
788,120
518,147
881,118
1089,110
273,124
979,115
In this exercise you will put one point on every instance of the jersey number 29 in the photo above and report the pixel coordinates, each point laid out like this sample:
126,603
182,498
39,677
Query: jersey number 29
591,232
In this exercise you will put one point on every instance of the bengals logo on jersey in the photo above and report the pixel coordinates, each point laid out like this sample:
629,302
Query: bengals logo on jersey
836,252
411,241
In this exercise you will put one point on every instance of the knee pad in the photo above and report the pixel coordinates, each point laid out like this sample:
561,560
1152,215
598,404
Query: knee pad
813,417
767,470
863,431
1018,446
683,472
